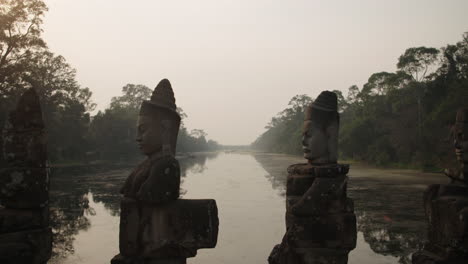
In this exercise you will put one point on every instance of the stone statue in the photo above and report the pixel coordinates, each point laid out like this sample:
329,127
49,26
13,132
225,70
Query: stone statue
155,226
320,220
157,179
25,236
446,207
460,134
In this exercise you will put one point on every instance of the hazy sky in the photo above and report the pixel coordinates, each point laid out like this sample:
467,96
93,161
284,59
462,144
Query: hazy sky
235,64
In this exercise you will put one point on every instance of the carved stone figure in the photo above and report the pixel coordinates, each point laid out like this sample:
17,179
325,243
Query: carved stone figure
460,142
157,179
446,207
320,220
25,236
156,226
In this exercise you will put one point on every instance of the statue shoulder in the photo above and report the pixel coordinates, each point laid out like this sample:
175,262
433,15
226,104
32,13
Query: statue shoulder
166,162
163,182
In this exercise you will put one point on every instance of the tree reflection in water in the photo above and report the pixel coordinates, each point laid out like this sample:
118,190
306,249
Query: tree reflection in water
388,205
69,197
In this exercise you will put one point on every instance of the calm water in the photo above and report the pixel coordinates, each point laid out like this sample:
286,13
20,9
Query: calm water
250,192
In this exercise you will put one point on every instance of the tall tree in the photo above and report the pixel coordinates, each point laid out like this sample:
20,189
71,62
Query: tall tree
133,96
20,32
416,61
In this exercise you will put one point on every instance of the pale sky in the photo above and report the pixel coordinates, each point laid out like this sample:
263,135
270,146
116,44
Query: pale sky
235,64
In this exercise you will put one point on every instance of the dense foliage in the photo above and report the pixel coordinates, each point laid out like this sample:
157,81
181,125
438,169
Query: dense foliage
401,117
113,131
73,135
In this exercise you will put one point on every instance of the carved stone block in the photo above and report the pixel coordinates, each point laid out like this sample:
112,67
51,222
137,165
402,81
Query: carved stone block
26,149
13,220
24,187
28,247
329,170
448,225
176,229
325,196
298,184
323,256
452,190
335,231
428,257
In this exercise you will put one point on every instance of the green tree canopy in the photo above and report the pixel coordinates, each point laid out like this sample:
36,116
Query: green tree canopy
416,61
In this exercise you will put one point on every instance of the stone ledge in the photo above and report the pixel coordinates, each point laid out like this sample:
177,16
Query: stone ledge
119,259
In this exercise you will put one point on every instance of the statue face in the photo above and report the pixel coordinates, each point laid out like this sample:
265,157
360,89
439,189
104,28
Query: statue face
314,142
461,143
149,135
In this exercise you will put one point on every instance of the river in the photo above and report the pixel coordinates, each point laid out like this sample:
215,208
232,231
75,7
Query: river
249,189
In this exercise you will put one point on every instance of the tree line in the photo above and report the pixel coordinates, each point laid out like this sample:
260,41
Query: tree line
73,133
396,118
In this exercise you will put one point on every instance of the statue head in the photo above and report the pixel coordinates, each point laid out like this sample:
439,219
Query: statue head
320,131
461,136
24,139
158,122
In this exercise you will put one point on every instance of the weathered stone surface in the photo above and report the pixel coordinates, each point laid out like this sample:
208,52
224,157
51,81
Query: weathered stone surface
287,253
154,181
336,231
26,149
119,259
17,253
22,187
325,196
175,229
31,247
13,220
425,257
323,256
428,257
23,134
298,184
452,190
292,200
328,170
448,222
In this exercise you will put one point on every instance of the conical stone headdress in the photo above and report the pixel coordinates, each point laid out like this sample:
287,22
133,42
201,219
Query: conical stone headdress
326,101
161,99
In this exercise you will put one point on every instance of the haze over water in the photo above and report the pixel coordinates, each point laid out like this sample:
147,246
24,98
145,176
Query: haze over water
235,64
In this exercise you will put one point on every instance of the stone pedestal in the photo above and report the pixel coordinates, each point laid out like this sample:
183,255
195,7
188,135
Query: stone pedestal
176,229
320,220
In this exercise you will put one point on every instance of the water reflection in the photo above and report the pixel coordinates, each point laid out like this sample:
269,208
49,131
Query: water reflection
195,163
70,197
388,204
275,165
